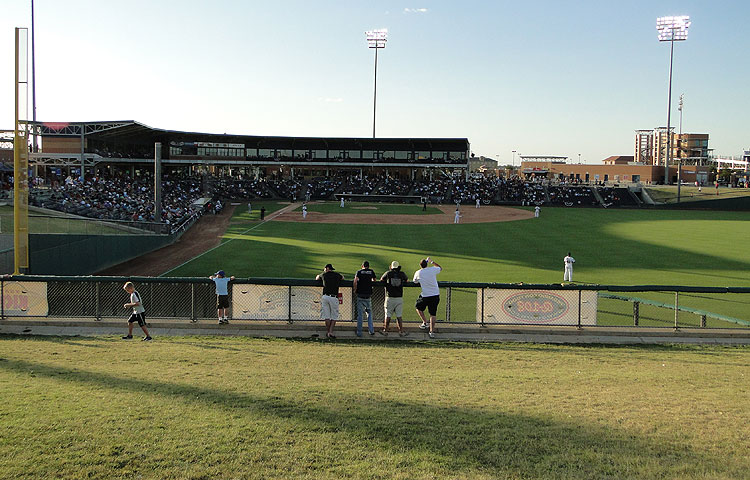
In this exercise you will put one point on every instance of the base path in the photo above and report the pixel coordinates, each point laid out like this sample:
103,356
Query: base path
469,214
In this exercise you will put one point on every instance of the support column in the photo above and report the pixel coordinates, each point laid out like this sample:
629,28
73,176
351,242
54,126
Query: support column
157,182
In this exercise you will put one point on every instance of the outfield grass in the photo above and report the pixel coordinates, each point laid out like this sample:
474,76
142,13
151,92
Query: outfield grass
668,193
619,247
264,408
371,208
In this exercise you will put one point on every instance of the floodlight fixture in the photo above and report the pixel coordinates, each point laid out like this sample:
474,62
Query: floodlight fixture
376,39
673,28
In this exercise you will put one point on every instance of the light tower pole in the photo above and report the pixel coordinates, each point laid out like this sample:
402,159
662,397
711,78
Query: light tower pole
671,29
376,39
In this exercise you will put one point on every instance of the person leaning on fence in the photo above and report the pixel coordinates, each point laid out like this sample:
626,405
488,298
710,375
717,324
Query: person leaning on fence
362,286
222,295
329,302
426,277
138,314
394,296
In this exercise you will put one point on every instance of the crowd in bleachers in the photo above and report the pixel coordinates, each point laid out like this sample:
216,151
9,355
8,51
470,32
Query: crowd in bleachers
323,188
570,196
121,197
393,186
357,185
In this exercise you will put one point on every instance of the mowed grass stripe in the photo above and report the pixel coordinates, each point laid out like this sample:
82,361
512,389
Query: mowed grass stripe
262,408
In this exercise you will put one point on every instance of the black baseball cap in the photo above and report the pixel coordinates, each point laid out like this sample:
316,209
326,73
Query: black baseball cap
365,264
330,266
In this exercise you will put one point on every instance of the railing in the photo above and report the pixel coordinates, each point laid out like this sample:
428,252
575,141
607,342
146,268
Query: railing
293,300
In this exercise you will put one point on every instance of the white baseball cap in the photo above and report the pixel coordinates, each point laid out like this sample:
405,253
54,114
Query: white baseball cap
394,264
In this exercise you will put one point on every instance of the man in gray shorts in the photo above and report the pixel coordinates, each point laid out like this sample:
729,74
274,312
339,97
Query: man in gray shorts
394,300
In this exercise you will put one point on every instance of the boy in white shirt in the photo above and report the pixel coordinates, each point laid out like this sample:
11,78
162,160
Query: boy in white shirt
139,313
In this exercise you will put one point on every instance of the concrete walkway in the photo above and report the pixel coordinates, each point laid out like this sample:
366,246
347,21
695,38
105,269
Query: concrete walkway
345,330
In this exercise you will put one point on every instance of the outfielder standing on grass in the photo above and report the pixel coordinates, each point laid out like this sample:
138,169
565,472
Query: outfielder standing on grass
426,277
569,261
222,295
139,313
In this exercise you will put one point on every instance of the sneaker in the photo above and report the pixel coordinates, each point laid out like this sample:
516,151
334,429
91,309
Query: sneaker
432,335
423,326
147,338
221,321
372,333
127,337
226,321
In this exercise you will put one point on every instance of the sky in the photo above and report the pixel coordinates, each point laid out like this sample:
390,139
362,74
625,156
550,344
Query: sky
538,77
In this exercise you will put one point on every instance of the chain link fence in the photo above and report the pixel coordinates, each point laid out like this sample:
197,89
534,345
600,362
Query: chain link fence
290,300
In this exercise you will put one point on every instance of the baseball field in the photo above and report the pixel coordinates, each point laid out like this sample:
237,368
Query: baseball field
212,407
501,245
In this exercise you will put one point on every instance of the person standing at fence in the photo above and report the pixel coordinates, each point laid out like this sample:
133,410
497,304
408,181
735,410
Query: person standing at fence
394,296
262,213
426,277
138,314
222,295
362,286
329,302
569,261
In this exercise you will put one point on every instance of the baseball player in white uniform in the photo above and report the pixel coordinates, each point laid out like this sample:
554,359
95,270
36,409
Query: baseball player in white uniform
342,202
536,211
477,202
458,215
304,211
569,261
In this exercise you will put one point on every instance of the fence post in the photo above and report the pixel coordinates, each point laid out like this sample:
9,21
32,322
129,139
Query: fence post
448,305
703,321
192,303
98,302
482,306
579,309
289,301
676,309
636,313
2,300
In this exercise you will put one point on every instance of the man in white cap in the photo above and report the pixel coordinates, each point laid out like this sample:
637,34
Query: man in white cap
394,296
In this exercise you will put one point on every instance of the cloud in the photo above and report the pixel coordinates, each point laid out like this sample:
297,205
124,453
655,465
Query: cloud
415,10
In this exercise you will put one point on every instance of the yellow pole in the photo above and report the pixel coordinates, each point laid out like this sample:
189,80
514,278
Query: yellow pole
20,162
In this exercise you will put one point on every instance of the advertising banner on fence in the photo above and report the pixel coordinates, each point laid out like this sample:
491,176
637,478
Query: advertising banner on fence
536,307
27,299
272,302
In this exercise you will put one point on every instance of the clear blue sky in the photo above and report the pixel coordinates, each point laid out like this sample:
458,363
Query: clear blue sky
538,77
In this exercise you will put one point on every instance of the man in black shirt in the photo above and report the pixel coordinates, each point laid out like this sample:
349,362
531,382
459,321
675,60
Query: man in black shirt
329,302
394,300
362,286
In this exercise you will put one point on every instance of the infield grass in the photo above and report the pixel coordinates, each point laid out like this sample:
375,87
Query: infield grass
194,407
372,208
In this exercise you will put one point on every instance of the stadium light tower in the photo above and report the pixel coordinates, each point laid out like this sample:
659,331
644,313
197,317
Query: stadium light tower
376,39
671,29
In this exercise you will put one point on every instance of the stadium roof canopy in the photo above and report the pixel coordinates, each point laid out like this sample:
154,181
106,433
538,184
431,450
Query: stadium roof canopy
130,131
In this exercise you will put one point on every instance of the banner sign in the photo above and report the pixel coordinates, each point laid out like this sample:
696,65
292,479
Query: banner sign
27,299
272,302
536,307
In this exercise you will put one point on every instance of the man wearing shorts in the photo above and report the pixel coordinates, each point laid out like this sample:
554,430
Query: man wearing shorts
139,313
426,277
222,295
394,296
329,302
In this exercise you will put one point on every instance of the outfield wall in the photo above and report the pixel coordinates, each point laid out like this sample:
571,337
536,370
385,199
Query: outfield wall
292,300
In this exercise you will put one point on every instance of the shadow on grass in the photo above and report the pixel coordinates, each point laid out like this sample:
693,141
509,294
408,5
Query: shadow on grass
448,439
